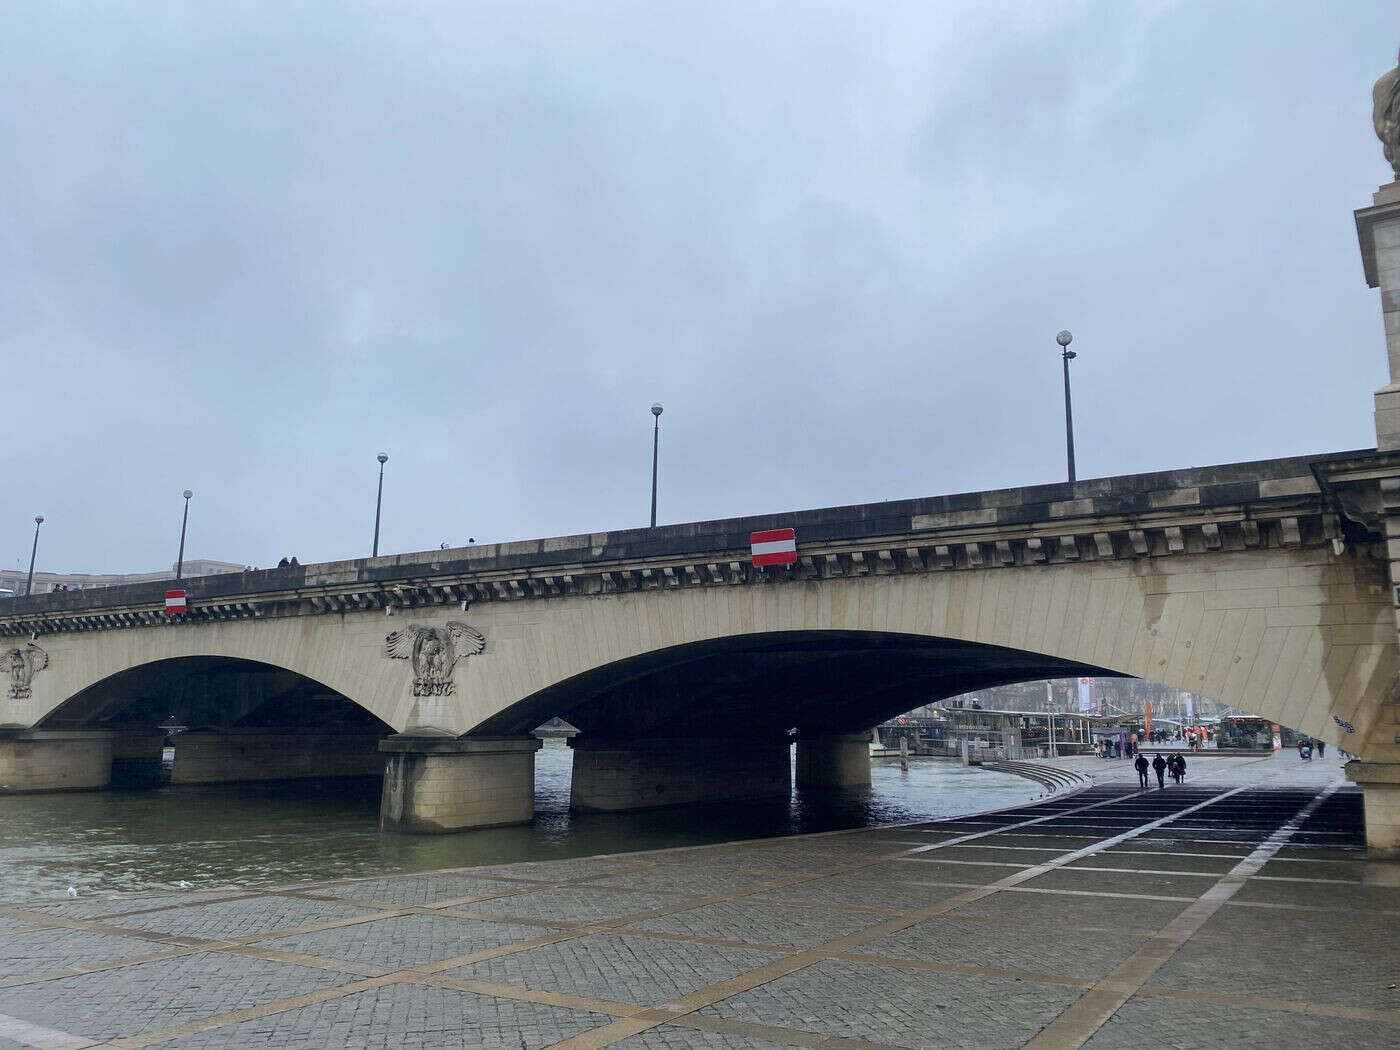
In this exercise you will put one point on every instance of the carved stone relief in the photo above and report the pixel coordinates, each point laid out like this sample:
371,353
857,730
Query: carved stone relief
22,665
435,653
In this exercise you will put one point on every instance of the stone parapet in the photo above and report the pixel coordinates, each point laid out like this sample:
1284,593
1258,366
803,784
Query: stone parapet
613,775
1268,503
440,783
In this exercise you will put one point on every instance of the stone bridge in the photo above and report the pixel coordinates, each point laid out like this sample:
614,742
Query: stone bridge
689,670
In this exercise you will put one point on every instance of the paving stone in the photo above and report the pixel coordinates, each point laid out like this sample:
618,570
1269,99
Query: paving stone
1055,951
1344,871
1350,897
898,1007
1157,862
1062,843
930,869
557,870
96,908
8,924
570,904
229,920
1178,847
858,889
1322,853
756,922
147,997
673,1037
406,940
401,1015
696,882
975,851
60,949
1271,953
416,891
641,970
1130,882
1049,909
1176,1025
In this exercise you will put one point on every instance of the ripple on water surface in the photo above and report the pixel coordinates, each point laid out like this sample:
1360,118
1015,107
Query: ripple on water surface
259,834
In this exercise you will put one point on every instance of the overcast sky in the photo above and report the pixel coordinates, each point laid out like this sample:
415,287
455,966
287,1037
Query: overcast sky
245,247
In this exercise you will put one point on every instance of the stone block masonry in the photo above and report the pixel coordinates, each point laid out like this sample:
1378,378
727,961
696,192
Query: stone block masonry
442,783
616,775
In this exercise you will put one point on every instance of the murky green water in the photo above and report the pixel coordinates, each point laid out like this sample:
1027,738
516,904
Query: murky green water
252,834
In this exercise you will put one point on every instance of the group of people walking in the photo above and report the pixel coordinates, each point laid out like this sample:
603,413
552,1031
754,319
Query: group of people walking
1174,765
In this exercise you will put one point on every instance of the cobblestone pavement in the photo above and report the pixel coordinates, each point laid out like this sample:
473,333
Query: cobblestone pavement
1238,909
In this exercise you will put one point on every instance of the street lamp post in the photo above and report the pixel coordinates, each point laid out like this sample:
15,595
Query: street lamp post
383,458
29,584
655,448
184,522
1067,355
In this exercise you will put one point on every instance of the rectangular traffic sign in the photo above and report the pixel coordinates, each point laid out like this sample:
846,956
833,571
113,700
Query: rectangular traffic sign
773,547
175,603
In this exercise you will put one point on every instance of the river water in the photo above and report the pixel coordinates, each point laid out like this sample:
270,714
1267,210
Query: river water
260,834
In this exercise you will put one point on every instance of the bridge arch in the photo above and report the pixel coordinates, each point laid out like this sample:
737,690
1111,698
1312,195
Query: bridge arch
1298,635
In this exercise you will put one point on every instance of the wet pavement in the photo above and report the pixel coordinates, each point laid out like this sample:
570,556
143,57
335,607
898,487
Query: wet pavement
1236,910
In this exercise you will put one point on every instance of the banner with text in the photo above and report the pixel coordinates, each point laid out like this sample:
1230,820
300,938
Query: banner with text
1086,694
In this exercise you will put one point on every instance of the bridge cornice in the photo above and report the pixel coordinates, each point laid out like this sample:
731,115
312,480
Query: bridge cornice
1275,503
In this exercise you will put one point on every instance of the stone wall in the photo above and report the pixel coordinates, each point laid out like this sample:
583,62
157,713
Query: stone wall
616,775
260,754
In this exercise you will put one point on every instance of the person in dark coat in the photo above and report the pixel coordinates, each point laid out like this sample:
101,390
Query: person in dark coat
1159,766
1180,767
1141,766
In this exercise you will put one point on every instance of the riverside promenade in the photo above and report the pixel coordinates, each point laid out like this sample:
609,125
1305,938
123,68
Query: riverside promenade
1236,910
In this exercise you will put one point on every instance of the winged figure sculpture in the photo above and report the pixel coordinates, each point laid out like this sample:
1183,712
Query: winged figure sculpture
22,665
435,652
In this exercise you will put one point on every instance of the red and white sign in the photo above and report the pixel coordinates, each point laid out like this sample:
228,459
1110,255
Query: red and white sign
774,547
175,604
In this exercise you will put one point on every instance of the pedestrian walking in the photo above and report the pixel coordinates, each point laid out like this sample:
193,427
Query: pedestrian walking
1180,767
1118,748
1141,766
1171,768
1321,747
1159,766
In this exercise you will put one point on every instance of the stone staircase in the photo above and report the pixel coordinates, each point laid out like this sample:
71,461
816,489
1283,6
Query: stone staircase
1054,779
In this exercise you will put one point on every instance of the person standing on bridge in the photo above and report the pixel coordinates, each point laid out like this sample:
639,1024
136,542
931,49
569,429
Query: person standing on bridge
1141,766
1159,766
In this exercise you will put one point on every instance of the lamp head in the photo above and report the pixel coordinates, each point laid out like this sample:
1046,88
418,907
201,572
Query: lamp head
1064,338
656,409
383,458
188,493
38,519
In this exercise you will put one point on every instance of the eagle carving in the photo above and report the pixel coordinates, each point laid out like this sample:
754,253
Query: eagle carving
434,652
22,665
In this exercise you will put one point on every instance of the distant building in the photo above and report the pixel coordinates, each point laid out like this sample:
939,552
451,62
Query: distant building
44,582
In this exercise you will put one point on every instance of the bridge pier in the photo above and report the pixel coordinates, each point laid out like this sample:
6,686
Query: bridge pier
613,775
1381,793
835,760
443,783
231,756
37,760
137,757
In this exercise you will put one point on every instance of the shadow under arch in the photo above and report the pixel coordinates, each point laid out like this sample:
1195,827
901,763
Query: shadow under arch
211,692
816,682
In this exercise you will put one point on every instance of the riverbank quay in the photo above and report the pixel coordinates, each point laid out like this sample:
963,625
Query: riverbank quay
1236,909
